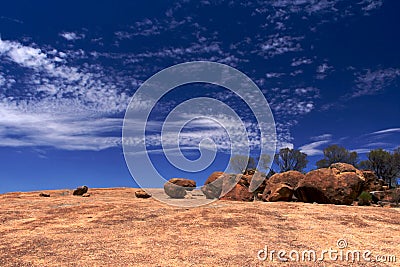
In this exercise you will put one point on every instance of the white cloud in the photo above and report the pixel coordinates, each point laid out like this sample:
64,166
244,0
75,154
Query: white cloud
79,131
362,150
386,131
361,144
23,55
314,148
222,129
378,144
66,106
72,36
88,84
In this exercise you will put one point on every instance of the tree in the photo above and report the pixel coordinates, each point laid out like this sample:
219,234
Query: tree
264,162
240,163
290,159
396,155
335,154
386,165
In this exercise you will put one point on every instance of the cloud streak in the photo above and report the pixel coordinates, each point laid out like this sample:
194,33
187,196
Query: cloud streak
372,82
72,36
386,131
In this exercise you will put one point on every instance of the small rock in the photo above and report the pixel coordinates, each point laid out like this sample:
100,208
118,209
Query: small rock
80,190
174,191
44,195
142,194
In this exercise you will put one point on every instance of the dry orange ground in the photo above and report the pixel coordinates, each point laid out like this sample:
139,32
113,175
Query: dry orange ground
113,228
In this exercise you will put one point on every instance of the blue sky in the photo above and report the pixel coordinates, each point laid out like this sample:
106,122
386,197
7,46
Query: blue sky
329,70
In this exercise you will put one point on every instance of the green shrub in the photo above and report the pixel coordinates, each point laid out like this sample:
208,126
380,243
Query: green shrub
364,199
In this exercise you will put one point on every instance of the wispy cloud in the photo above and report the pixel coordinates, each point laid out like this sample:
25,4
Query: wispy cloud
11,19
146,27
386,131
72,36
315,148
274,74
2,80
300,61
361,144
66,106
54,77
278,44
323,71
322,137
67,131
367,82
77,95
369,5
371,82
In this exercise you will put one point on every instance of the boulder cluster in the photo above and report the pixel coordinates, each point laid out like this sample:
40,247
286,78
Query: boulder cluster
339,184
232,186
